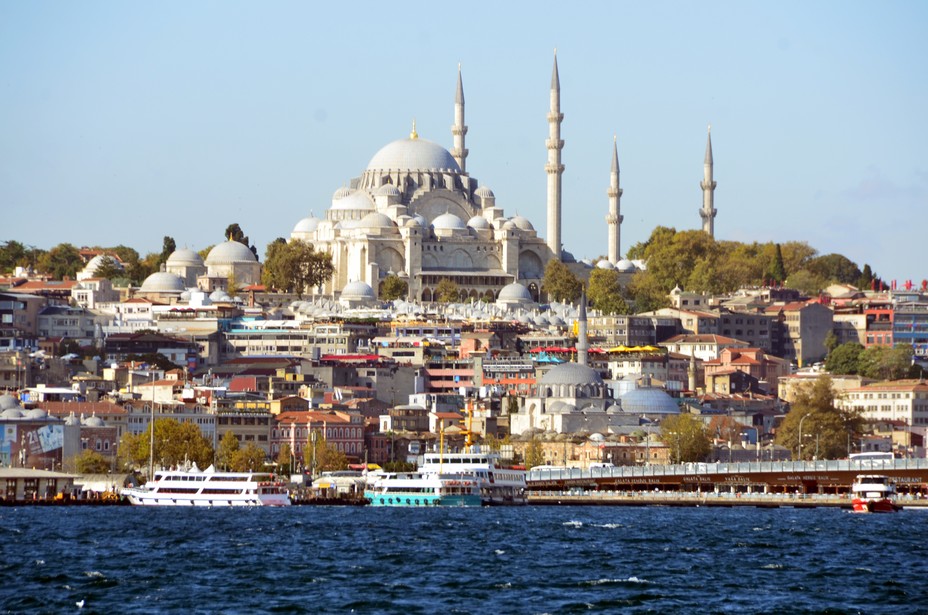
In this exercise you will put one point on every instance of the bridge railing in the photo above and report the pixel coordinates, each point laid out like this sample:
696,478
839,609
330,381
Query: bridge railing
862,466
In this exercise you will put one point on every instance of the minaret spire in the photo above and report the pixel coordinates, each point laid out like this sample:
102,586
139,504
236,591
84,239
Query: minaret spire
459,129
554,168
707,184
614,217
583,339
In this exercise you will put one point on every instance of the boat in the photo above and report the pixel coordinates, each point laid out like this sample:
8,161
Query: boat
874,493
421,489
195,487
498,485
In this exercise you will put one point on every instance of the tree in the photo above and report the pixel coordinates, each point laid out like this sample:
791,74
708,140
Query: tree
534,454
777,270
12,254
176,443
844,359
826,430
834,268
646,293
795,255
64,260
686,436
285,460
91,462
140,269
295,267
168,246
109,268
447,291
228,447
605,292
831,341
248,459
806,282
560,283
322,456
393,287
235,233
885,363
725,428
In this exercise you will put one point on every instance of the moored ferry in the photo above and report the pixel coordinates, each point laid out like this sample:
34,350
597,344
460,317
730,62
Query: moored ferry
195,487
421,489
874,493
497,485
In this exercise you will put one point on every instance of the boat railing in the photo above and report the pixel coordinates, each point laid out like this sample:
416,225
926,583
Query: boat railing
695,469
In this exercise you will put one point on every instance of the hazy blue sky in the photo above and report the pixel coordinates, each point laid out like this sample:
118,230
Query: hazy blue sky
122,122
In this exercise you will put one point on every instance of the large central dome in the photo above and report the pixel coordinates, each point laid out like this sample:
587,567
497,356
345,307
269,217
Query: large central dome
413,155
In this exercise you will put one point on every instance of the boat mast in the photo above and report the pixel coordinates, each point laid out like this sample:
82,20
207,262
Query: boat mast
151,426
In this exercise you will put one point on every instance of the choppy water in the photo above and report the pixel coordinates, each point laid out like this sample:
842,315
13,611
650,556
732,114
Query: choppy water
492,560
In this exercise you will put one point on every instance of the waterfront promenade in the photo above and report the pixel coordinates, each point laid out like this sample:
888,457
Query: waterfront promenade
694,499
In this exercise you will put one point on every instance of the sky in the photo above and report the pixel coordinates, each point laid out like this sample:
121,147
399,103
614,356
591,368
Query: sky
123,122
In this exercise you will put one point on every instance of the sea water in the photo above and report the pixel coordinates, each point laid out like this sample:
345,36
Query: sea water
469,560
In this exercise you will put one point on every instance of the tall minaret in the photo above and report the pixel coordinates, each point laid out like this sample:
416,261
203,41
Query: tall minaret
614,218
458,130
707,184
554,168
583,339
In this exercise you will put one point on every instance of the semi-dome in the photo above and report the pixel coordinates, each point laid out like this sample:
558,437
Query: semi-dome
522,223
357,291
571,373
230,252
163,282
514,292
342,193
448,221
388,190
413,154
376,220
648,400
479,222
307,225
484,192
185,257
357,200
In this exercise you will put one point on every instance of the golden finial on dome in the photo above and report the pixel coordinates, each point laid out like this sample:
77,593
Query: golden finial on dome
414,134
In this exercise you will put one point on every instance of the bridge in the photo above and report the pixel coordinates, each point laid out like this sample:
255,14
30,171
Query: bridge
767,477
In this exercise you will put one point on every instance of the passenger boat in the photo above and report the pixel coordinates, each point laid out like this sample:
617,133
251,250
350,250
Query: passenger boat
195,487
497,484
421,489
874,493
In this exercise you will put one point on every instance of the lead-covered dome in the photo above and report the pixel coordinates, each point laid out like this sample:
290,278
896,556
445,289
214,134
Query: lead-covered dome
230,252
358,291
514,292
479,223
163,282
573,374
522,223
376,220
413,155
307,225
357,200
648,400
185,257
448,221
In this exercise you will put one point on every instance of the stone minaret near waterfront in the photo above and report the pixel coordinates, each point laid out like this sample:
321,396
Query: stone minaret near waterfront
583,338
459,129
614,217
707,184
554,168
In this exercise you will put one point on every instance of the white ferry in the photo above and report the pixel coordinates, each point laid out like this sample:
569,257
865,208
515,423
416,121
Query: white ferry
497,485
421,489
874,493
195,487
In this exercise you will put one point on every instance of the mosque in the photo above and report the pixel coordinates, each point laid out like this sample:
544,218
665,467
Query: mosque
416,213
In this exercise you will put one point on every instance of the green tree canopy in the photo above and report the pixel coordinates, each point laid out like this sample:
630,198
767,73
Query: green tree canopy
886,363
228,446
605,292
13,254
176,443
320,456
109,268
168,246
62,260
844,359
560,283
295,266
250,458
285,459
834,268
806,282
826,430
91,462
687,438
647,294
777,269
534,454
393,287
447,291
235,233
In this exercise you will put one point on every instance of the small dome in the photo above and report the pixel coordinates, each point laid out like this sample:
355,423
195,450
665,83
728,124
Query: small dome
230,252
36,413
307,225
478,222
420,219
614,408
185,257
597,437
8,401
11,413
540,321
448,221
571,373
72,420
648,400
484,193
556,407
413,155
625,265
514,292
357,291
376,220
342,193
522,223
388,190
94,263
357,200
604,264
163,282
219,296
508,225
94,421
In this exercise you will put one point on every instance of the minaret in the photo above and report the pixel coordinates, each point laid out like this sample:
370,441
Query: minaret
707,184
583,340
458,130
614,218
554,168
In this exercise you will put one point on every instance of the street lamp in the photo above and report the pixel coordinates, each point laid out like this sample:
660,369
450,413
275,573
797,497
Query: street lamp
804,417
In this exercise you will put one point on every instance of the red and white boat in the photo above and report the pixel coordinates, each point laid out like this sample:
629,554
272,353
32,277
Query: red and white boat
874,493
